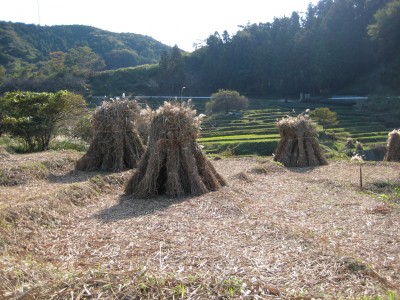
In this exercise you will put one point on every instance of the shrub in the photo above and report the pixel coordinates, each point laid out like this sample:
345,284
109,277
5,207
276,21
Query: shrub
83,128
34,116
324,116
226,101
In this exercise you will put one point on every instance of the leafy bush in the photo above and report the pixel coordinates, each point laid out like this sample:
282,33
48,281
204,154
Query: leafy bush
324,116
83,128
34,116
226,101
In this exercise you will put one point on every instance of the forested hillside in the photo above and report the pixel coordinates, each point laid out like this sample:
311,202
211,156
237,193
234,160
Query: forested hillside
36,57
334,47
348,46
33,43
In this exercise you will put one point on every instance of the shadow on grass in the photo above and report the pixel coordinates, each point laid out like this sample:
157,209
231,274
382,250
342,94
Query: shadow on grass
303,169
75,176
128,207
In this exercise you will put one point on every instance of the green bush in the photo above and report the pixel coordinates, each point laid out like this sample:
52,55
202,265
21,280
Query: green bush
34,117
83,128
226,101
324,116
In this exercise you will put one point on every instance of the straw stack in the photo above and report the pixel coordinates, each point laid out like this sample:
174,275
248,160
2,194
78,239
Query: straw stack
298,146
393,146
116,145
173,163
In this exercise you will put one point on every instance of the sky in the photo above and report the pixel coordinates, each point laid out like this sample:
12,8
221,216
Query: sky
172,22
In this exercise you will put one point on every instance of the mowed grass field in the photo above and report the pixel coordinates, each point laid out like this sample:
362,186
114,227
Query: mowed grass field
272,233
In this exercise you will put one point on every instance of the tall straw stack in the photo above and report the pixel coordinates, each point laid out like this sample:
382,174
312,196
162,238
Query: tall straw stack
173,163
298,146
393,146
116,145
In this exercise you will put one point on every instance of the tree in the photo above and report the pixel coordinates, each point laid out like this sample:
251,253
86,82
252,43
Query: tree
324,116
225,101
171,71
83,61
34,117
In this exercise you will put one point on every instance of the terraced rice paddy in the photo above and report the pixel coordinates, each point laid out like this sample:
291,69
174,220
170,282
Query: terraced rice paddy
254,132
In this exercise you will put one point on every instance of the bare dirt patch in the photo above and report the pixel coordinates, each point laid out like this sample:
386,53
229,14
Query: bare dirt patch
273,232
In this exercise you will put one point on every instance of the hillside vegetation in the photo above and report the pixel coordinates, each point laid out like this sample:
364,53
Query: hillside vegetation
32,44
335,47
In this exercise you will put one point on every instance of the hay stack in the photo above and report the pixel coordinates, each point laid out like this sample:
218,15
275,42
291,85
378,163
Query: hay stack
116,144
393,146
298,146
173,163
143,123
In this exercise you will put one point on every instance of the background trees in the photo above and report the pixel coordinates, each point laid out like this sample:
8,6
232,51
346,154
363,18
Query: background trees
334,47
171,76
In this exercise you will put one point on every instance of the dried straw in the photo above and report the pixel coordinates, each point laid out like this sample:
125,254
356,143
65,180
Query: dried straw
174,163
393,146
117,144
298,146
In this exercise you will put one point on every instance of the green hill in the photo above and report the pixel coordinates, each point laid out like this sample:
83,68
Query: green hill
33,43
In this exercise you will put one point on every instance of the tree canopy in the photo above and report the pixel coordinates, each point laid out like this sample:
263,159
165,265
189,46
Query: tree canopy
226,101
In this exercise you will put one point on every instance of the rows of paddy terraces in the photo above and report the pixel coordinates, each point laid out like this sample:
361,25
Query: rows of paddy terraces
254,130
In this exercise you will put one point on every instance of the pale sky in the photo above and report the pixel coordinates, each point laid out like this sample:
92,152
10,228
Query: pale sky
171,22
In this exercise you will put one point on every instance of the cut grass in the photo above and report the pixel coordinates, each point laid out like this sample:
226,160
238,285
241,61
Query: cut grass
272,233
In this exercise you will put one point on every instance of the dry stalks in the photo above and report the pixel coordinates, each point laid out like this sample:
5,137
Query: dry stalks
298,146
174,163
304,233
393,146
116,145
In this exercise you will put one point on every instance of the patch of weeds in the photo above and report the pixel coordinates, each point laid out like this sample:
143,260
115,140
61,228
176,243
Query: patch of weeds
10,145
77,194
228,152
23,173
180,290
259,170
391,295
243,177
3,243
68,144
355,265
232,286
385,190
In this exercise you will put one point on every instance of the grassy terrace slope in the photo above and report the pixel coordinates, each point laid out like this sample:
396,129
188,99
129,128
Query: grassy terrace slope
255,131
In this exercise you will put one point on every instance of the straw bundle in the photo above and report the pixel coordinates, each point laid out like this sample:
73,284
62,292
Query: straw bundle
173,163
116,144
143,122
393,146
298,146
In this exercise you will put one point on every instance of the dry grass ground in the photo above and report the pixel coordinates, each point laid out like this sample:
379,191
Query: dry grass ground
272,233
